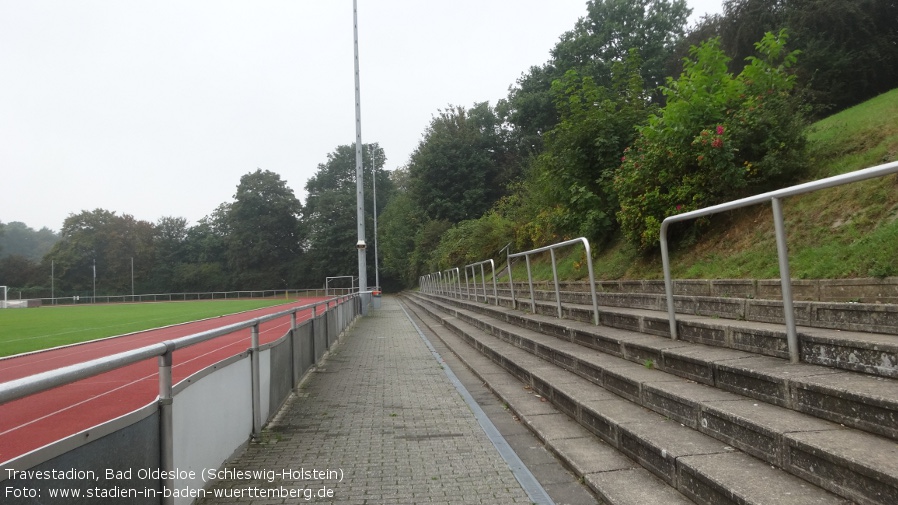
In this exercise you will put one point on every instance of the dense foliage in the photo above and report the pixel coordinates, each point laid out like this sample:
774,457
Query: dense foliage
718,137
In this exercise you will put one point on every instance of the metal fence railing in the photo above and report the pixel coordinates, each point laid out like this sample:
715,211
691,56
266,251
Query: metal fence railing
183,296
551,249
774,197
40,382
473,268
442,282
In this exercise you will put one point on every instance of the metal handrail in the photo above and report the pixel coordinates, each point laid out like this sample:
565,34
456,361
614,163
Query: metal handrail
481,264
782,253
551,249
450,285
19,388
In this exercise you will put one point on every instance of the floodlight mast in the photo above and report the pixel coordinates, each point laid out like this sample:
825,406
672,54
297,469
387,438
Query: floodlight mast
359,172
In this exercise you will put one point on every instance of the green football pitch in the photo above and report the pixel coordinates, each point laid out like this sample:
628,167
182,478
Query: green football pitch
24,330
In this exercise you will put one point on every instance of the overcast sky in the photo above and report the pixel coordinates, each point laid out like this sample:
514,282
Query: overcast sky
157,108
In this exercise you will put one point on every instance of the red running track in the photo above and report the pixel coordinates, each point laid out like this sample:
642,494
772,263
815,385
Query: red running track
32,422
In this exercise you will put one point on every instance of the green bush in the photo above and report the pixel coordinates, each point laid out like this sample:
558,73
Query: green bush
474,240
718,138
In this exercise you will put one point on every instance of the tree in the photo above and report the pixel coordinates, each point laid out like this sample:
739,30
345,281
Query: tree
399,224
613,27
849,47
170,238
462,165
604,37
100,239
204,266
331,212
264,232
17,238
573,176
717,138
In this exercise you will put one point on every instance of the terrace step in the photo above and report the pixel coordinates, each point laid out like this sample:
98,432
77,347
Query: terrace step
858,466
857,337
861,401
613,477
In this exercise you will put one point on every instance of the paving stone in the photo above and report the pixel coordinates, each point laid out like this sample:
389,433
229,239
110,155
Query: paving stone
387,416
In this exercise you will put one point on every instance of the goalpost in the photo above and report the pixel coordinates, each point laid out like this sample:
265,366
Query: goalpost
3,302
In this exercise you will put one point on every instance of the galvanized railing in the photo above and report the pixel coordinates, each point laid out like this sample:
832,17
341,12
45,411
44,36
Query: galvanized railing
551,249
481,264
435,283
453,282
20,388
774,197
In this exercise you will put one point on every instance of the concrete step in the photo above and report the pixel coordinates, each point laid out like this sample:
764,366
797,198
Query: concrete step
613,477
863,317
861,290
672,452
867,473
850,343
861,401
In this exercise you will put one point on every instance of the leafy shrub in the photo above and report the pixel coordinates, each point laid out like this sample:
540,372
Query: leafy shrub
474,240
718,138
572,178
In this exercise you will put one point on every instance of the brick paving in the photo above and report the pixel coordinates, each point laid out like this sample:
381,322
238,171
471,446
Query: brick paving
382,424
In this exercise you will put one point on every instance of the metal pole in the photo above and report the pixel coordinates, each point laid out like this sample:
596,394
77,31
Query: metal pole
483,281
530,281
668,282
555,277
514,304
495,287
314,316
132,278
785,279
294,352
256,385
359,172
374,195
166,424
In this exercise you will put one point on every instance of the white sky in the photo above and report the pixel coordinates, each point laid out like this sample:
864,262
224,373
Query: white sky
157,108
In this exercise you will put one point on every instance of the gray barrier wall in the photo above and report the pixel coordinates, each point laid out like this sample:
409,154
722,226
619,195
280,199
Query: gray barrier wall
212,410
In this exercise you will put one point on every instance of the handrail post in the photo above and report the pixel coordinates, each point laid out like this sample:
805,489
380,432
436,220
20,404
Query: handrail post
495,288
592,280
668,282
166,424
514,304
467,286
555,278
785,279
294,351
256,383
530,281
313,329
483,281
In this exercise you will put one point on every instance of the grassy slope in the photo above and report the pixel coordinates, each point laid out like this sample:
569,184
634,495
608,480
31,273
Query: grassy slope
23,330
848,231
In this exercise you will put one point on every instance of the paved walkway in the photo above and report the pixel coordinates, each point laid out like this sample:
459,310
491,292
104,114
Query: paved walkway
379,422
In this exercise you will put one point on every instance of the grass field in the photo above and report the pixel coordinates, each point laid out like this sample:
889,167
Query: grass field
24,330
